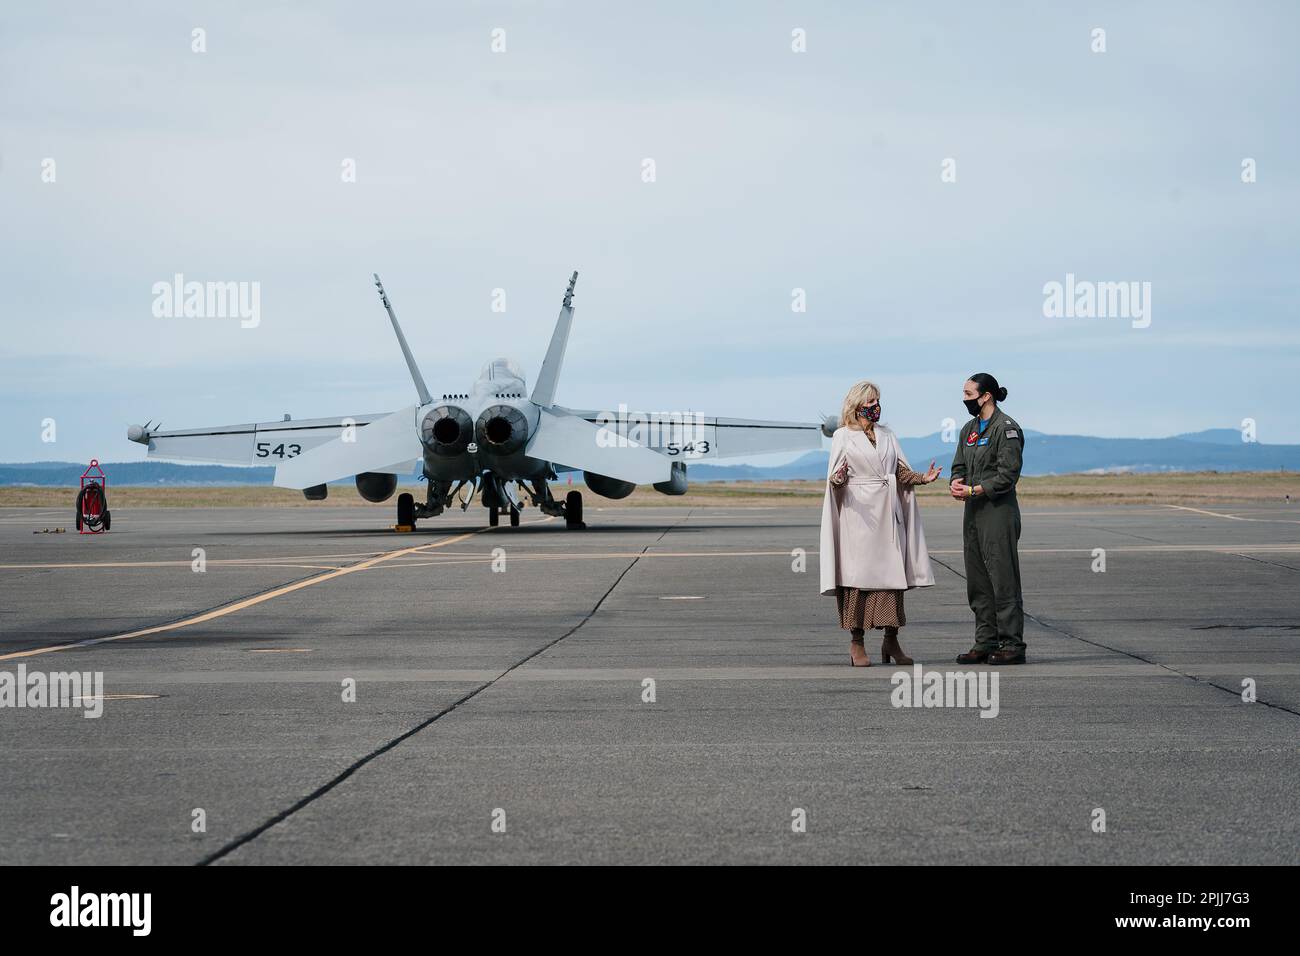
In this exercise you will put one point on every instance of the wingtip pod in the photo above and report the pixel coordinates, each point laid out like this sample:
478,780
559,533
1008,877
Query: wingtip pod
142,434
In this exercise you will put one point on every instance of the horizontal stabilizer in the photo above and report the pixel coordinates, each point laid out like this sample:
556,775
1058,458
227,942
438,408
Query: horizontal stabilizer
569,440
386,445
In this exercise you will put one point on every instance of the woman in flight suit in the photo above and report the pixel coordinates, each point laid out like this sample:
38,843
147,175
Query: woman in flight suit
985,470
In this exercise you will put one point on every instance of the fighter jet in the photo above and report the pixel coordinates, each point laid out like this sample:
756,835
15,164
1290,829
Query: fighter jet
496,440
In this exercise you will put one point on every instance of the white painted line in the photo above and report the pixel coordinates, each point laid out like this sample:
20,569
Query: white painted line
533,674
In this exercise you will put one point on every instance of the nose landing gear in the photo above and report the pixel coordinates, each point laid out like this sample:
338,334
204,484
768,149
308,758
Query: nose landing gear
494,515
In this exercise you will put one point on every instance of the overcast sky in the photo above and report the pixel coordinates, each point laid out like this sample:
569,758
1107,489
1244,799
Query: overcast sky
775,170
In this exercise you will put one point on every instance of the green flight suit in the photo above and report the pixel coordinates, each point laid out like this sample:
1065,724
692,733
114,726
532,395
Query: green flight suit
991,530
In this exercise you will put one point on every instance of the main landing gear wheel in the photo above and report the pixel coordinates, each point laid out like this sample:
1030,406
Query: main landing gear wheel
494,517
573,510
406,510
514,517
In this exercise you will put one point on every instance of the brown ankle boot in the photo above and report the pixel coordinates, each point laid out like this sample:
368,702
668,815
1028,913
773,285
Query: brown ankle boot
858,649
890,647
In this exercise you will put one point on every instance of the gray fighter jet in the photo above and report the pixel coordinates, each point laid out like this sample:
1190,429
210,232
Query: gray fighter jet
495,440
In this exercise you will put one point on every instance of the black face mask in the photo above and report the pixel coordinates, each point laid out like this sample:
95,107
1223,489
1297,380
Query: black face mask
871,414
972,406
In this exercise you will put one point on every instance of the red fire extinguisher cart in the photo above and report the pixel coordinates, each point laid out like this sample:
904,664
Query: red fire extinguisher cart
92,501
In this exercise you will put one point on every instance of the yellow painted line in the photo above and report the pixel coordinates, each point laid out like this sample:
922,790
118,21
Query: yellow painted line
1202,511
246,603
162,564
236,562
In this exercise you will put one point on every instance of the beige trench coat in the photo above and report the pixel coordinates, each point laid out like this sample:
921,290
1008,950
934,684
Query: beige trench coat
871,536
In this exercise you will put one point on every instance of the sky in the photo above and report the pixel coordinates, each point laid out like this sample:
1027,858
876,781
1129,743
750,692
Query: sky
920,171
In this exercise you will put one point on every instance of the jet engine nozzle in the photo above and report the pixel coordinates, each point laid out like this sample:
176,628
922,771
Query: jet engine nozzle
447,431
502,430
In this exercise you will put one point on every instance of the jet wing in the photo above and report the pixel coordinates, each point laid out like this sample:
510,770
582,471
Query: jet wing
691,437
255,443
580,444
388,444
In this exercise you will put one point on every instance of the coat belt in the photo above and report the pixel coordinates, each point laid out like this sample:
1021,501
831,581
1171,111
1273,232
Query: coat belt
896,506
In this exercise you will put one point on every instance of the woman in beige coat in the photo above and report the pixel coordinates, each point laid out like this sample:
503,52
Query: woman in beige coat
872,544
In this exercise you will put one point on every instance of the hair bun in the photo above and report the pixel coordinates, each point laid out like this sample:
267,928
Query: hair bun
1002,394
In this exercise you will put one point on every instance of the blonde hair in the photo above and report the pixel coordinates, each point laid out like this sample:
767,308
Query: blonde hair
863,393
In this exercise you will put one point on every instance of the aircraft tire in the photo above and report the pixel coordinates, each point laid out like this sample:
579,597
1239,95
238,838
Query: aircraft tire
573,510
493,517
406,509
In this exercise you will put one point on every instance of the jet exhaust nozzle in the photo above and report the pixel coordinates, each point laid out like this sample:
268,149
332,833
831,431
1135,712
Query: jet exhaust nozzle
501,430
447,431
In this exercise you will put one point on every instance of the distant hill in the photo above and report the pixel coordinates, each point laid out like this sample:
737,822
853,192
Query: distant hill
1214,436
1209,450
134,473
1216,449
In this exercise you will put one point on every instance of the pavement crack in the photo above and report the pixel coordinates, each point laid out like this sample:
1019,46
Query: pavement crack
1272,564
356,765
333,782
1137,657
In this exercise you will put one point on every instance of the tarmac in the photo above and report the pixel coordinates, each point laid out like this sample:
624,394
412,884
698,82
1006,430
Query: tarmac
666,686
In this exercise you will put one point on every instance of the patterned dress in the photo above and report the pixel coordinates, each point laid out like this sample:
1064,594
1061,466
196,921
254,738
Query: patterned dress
867,610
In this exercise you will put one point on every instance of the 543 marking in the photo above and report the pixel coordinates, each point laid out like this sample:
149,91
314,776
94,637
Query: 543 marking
266,449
